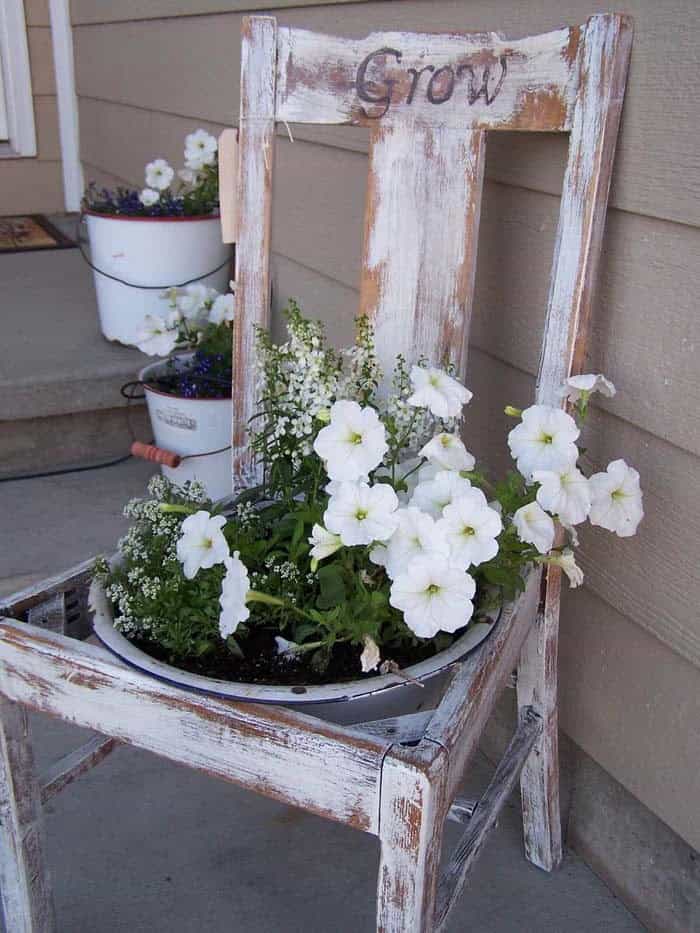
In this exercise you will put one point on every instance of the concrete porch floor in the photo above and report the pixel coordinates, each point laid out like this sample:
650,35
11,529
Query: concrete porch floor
143,845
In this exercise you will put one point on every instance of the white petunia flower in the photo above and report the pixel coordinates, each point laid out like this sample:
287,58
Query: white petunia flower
443,395
616,499
234,589
370,657
361,514
188,175
582,386
354,442
564,493
149,197
155,337
535,527
222,309
567,561
324,543
416,535
191,300
433,495
544,440
433,596
470,527
200,149
201,543
448,452
159,174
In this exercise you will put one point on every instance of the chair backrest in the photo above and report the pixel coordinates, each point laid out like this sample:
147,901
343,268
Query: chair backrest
429,101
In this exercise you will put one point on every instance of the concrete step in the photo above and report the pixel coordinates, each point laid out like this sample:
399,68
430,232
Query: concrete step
60,403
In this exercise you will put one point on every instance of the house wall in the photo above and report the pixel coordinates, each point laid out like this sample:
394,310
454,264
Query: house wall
630,651
36,184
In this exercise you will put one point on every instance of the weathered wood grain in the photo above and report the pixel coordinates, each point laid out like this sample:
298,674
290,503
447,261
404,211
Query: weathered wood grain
485,815
36,593
256,154
228,178
323,768
462,810
421,226
470,697
411,825
479,80
24,881
398,729
76,763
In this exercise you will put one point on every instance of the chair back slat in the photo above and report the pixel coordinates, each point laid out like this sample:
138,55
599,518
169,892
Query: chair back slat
480,79
429,100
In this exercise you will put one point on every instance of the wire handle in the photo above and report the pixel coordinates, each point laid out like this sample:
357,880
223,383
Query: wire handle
115,278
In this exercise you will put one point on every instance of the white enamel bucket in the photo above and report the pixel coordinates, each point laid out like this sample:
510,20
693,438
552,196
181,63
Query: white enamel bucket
191,426
150,251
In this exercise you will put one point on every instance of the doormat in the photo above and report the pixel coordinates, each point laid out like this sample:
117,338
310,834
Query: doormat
27,232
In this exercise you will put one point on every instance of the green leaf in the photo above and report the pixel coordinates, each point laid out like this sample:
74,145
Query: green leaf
330,581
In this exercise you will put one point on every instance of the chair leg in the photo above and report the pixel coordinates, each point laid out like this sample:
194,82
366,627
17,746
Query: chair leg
537,687
411,826
24,881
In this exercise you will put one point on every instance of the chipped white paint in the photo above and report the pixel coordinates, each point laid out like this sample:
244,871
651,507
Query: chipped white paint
523,83
421,235
256,153
318,766
423,200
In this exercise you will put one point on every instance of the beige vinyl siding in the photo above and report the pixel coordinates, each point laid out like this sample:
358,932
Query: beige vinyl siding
36,184
630,653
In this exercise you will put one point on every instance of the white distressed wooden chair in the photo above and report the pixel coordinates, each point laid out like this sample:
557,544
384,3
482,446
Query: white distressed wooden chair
429,100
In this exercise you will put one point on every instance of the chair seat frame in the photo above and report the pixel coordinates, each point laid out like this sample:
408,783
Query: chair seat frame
397,779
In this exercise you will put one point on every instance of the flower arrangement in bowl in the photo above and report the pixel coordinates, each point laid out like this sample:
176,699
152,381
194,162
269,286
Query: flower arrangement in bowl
374,544
165,234
188,394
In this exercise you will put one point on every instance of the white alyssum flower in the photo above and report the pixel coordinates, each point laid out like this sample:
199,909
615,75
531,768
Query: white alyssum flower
443,395
221,309
433,596
354,442
323,544
154,337
564,493
149,197
535,527
433,495
200,149
202,543
567,561
448,452
616,499
416,535
159,174
582,386
544,440
234,589
370,657
470,527
361,514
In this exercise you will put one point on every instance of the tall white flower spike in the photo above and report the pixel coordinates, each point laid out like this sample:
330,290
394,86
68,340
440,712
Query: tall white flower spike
447,451
362,514
354,442
154,337
617,499
433,495
565,493
544,440
470,527
433,389
159,174
582,386
535,527
416,535
201,543
234,589
433,596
